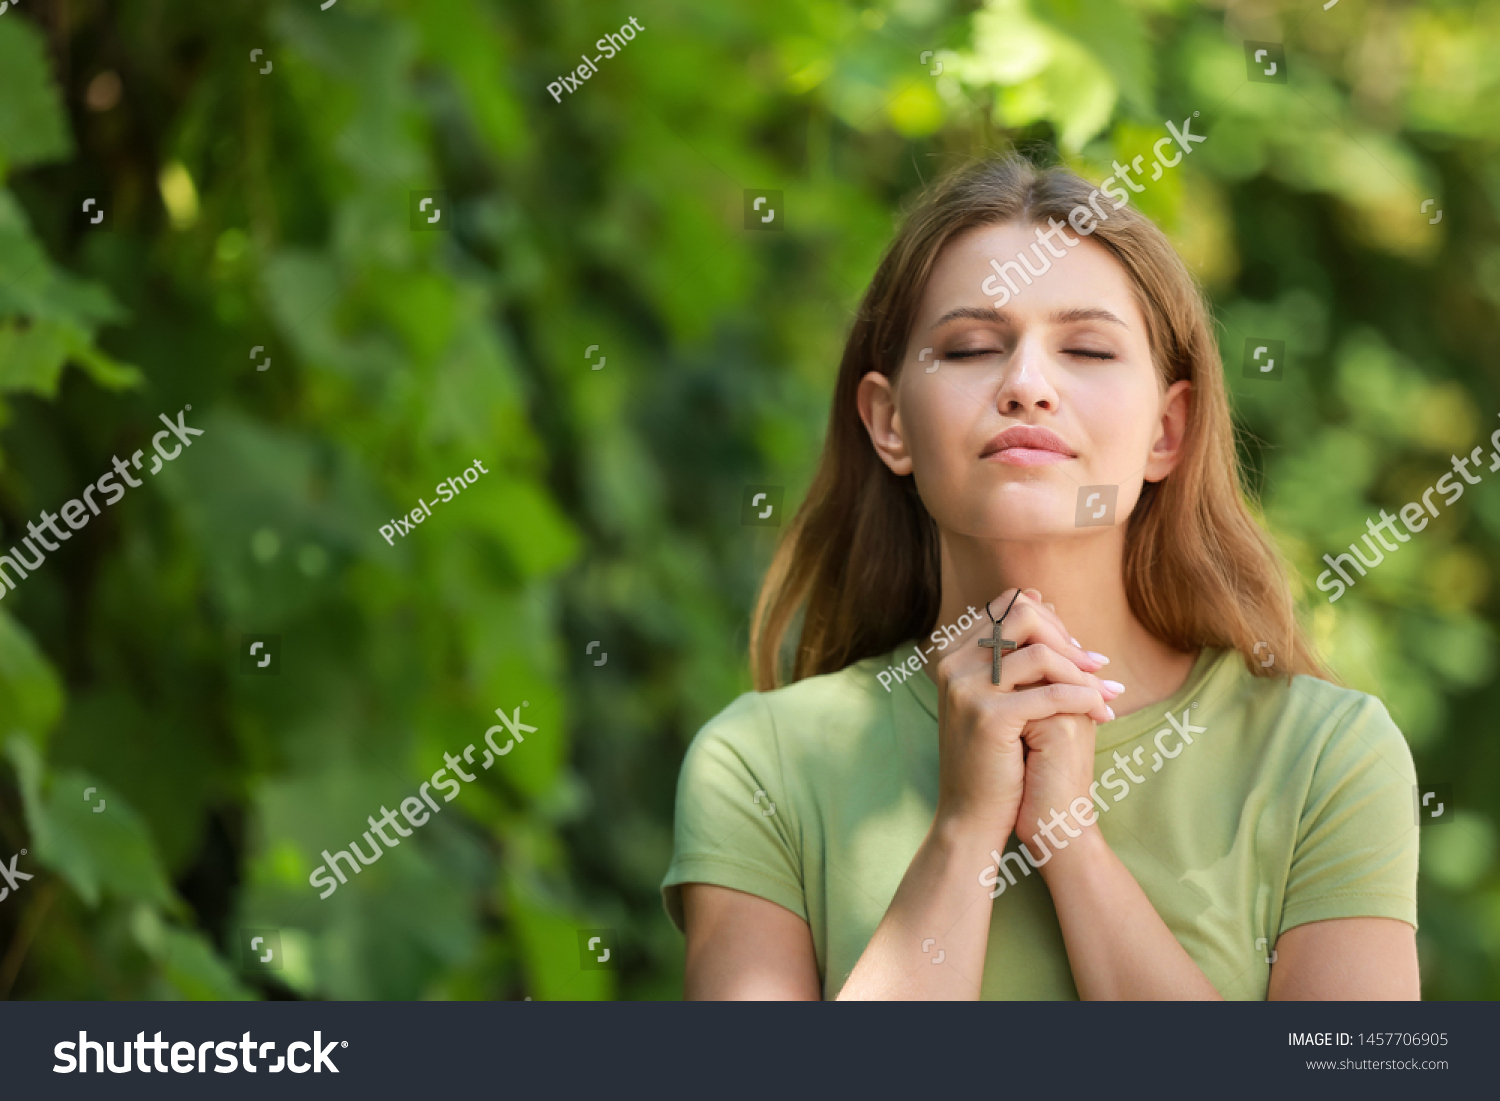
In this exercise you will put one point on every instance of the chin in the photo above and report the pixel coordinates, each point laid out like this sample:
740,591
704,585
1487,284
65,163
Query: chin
1029,515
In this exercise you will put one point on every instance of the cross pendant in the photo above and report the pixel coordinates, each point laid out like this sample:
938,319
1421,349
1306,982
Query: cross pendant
996,645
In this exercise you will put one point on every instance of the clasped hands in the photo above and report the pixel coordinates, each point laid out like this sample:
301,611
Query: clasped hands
1023,750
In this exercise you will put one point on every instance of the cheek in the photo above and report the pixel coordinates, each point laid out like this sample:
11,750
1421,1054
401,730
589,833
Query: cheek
1119,414
938,418
945,430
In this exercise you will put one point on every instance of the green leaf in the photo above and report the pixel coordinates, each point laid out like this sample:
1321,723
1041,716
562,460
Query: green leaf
193,970
1116,37
32,358
33,128
549,933
30,692
465,38
94,851
48,317
525,520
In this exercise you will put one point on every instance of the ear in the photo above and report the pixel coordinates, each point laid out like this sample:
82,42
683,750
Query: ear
877,408
1166,448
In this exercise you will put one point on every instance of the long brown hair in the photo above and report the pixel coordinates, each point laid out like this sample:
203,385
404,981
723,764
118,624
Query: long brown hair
860,557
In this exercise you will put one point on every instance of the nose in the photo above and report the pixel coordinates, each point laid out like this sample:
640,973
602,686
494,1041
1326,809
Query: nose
1024,384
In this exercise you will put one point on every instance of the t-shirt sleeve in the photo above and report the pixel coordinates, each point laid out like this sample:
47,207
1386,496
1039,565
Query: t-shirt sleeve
732,826
1356,850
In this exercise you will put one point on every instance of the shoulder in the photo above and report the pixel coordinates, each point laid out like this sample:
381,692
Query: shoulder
813,714
1326,711
1325,724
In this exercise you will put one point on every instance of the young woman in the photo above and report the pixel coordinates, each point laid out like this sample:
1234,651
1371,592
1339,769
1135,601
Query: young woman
1197,811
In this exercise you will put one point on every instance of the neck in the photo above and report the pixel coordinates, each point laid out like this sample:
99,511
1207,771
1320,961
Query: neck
1082,577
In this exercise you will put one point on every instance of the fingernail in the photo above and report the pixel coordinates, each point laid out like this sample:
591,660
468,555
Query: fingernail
1113,685
1111,711
1100,658
1076,643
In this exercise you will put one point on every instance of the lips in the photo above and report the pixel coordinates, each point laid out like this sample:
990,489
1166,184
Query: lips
1028,445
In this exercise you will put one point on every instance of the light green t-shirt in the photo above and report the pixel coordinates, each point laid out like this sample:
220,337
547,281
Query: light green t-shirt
1260,805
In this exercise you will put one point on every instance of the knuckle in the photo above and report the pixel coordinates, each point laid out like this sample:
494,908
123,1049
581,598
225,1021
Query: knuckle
1046,654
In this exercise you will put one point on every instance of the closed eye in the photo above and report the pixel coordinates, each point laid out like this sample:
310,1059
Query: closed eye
975,353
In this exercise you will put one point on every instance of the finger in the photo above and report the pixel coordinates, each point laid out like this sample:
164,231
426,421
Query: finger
1049,610
1085,659
1031,704
1028,622
1039,656
1038,664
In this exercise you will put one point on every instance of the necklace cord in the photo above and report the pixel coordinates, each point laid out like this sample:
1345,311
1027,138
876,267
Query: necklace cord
1003,614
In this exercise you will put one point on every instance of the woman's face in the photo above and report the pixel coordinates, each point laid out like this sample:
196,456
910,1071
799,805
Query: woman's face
1035,420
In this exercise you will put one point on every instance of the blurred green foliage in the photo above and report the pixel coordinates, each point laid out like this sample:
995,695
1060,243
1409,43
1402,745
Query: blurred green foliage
249,208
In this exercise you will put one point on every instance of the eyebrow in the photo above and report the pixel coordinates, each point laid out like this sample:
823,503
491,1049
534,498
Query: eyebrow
1059,317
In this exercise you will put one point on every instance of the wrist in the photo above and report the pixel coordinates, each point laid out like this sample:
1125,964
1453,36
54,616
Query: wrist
966,833
972,824
1080,856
